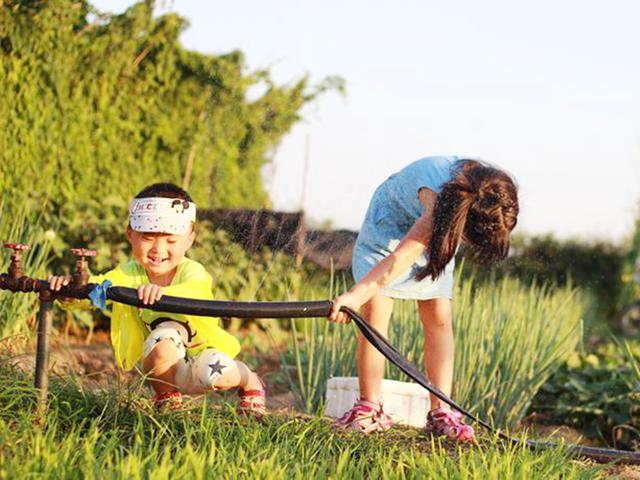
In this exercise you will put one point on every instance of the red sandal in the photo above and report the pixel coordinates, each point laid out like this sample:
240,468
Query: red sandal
168,401
365,417
253,402
443,421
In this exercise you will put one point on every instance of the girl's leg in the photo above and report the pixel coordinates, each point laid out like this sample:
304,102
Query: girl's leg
436,317
366,416
369,361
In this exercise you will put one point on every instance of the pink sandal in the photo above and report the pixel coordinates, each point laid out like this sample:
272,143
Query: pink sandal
365,417
253,402
449,423
168,401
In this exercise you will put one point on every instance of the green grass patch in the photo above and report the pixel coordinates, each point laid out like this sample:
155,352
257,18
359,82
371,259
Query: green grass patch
116,434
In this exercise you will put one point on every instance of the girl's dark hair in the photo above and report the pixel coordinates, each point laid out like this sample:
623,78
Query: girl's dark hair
478,205
164,190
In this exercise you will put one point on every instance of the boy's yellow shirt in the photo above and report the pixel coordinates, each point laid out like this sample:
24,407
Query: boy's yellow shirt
129,326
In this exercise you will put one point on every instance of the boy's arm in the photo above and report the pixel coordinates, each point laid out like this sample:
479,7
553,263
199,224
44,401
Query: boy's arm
192,281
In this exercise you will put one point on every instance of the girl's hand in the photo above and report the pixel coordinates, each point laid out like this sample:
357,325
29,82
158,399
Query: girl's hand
149,293
345,300
56,282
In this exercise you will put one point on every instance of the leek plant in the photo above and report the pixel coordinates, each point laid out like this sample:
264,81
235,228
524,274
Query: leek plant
509,339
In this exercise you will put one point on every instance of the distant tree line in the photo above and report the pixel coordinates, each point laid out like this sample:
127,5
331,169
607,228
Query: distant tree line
603,268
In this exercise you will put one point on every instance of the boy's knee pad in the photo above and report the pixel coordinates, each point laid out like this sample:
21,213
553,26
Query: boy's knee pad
159,334
209,366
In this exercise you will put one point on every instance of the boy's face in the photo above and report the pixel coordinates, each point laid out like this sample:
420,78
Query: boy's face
159,253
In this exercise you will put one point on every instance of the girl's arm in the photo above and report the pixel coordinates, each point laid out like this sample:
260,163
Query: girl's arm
389,268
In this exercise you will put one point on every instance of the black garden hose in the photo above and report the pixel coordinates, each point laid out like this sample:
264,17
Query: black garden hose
216,308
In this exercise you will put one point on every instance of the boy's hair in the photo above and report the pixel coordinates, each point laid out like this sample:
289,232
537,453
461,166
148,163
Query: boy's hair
164,190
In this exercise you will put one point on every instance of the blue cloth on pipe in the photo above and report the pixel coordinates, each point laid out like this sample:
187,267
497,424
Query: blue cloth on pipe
98,295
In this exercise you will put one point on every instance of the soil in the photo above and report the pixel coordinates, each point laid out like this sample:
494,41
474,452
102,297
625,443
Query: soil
91,361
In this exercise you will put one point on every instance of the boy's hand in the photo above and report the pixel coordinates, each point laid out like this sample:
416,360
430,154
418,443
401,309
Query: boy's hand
149,293
56,282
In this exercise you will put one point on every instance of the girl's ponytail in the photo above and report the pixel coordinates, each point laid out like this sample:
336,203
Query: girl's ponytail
479,205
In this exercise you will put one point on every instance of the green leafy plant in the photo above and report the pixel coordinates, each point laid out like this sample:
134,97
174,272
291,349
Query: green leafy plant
597,391
97,106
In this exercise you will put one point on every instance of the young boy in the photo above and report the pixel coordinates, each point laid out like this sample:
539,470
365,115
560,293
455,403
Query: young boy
180,353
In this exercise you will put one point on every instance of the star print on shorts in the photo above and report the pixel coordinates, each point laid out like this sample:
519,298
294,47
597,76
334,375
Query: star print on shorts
216,368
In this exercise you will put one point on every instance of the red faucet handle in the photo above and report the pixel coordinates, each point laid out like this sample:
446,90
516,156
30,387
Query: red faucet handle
17,247
81,275
15,266
83,252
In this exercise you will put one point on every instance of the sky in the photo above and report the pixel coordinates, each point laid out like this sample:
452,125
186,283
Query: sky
547,90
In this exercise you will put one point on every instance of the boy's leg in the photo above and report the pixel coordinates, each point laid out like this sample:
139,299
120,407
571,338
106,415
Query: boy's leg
213,370
163,350
252,390
239,377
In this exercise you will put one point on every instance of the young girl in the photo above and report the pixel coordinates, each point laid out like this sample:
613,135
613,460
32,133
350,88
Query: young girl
406,246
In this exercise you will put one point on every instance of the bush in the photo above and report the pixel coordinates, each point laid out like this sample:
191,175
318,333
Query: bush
630,291
96,106
597,392
595,266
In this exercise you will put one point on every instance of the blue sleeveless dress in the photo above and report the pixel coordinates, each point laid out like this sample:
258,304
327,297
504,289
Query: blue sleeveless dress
393,210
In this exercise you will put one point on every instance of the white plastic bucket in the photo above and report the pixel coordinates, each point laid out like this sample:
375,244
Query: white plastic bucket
407,403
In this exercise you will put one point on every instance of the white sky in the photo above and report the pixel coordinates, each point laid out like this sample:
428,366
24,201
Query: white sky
547,90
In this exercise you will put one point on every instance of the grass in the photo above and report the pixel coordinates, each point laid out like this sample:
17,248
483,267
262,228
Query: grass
115,434
512,338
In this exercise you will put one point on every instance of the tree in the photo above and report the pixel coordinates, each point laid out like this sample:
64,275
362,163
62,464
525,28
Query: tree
97,106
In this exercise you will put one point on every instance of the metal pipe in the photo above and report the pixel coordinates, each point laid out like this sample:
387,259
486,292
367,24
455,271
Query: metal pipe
44,340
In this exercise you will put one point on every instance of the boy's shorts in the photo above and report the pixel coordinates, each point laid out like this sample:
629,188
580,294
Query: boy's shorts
197,374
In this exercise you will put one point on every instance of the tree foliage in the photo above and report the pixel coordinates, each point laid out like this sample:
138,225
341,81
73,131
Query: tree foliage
97,106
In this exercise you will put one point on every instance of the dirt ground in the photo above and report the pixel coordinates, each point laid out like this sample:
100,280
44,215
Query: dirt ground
93,364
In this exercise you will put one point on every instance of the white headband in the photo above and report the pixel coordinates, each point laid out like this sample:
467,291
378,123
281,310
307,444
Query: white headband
165,215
